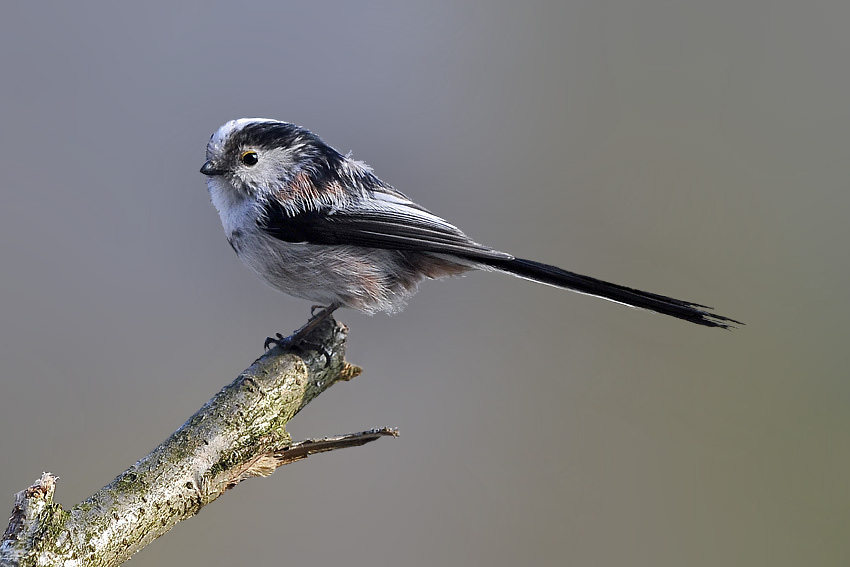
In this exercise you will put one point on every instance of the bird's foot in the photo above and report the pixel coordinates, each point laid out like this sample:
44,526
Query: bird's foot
293,342
298,340
279,340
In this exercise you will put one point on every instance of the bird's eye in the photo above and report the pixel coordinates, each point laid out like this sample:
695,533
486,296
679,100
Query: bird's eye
249,158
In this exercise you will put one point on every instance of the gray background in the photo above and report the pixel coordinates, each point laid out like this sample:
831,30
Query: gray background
696,149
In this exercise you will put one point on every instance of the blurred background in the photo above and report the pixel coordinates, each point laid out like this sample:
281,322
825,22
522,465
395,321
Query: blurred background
693,149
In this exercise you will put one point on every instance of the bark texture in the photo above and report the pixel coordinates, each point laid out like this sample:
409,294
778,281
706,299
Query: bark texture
238,434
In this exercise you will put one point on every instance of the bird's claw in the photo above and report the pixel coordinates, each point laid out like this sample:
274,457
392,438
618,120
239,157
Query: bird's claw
298,339
292,342
279,341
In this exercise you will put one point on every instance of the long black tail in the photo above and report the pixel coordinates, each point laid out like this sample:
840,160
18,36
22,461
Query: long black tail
551,275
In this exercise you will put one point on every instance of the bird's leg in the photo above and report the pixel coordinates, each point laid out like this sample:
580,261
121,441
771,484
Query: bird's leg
298,338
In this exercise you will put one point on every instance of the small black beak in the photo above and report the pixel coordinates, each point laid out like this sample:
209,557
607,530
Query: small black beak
209,170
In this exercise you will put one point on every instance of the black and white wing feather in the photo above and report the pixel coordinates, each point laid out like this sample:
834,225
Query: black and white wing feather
392,222
385,221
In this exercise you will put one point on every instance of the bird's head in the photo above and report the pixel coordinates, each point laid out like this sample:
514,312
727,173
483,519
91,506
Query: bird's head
259,157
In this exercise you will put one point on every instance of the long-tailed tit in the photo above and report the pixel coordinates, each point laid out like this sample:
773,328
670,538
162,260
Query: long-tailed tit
318,225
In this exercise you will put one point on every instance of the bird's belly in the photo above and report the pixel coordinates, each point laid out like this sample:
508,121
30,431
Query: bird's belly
366,279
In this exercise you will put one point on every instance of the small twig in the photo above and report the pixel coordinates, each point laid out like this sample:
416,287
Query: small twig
304,449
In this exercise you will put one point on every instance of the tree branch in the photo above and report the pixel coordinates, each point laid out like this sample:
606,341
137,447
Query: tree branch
238,434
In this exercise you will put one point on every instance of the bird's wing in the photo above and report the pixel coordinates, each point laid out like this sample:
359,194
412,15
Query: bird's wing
386,220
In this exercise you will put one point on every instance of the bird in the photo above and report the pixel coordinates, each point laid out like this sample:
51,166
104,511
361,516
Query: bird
318,225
